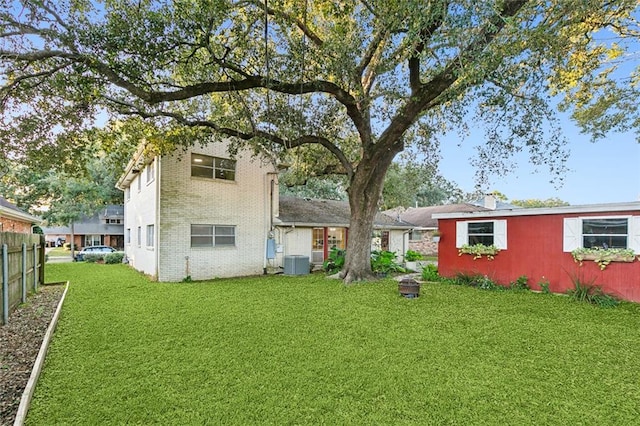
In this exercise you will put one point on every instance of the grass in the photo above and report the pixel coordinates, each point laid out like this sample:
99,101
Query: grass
59,251
308,350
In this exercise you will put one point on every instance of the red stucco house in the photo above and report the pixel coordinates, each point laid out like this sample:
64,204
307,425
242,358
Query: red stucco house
538,243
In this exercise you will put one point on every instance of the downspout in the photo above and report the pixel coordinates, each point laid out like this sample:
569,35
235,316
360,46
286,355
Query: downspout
270,222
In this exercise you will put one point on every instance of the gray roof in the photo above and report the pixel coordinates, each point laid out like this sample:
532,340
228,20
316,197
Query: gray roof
11,210
94,225
421,216
314,212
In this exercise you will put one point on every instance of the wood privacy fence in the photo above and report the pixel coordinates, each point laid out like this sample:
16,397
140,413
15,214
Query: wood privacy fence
22,265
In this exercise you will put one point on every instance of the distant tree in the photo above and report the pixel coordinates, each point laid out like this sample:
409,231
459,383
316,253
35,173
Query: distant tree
531,203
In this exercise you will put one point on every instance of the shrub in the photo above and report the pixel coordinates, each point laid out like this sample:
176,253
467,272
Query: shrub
113,258
520,284
412,256
589,292
335,261
476,280
430,273
93,257
384,262
544,286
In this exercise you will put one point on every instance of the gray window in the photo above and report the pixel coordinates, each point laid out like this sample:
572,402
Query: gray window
605,233
212,167
480,233
212,235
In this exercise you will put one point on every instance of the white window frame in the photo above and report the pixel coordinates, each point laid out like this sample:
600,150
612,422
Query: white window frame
139,236
213,234
150,172
128,236
499,232
150,236
215,169
572,236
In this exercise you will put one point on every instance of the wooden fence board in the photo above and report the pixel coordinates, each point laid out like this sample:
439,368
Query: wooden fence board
16,267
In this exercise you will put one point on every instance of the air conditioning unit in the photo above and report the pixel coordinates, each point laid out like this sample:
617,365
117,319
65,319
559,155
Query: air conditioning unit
296,265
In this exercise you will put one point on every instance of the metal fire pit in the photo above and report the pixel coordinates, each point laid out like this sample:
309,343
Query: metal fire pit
409,288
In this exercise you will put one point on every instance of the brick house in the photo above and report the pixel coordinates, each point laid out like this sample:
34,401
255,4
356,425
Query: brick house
105,227
202,214
13,219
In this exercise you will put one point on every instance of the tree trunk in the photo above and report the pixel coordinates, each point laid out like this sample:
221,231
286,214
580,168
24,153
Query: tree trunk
364,191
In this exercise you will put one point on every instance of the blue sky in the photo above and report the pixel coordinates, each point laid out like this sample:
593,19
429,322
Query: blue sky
607,171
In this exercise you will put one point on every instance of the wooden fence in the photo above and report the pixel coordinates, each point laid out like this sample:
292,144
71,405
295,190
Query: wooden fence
22,266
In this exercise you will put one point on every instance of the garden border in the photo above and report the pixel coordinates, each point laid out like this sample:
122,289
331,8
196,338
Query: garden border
23,408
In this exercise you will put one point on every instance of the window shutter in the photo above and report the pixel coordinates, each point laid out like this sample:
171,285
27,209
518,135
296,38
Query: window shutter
461,234
500,234
634,234
572,234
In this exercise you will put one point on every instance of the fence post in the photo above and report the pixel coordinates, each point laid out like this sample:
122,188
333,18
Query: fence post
5,284
35,269
24,272
42,259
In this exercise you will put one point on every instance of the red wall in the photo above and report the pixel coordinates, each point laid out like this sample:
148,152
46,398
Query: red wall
534,249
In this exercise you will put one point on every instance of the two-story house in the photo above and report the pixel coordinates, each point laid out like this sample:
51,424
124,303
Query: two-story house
202,214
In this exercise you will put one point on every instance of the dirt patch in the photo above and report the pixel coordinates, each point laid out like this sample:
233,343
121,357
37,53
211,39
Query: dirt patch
20,341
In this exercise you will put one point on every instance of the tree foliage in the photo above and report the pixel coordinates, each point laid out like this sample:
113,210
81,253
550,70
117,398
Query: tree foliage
532,203
343,86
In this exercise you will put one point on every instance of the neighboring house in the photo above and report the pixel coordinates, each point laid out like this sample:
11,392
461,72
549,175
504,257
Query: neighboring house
105,227
421,238
311,227
537,243
13,219
201,214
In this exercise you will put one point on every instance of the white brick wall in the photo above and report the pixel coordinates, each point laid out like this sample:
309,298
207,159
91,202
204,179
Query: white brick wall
186,200
139,211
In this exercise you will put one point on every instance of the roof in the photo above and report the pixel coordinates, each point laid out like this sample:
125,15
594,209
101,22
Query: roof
423,216
11,211
587,208
94,225
315,212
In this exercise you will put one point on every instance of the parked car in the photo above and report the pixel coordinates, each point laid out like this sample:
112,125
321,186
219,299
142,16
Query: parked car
92,250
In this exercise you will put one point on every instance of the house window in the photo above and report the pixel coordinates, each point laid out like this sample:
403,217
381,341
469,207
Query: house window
212,235
384,240
150,235
415,235
487,232
150,172
212,167
128,235
480,233
604,232
92,240
139,236
336,237
113,221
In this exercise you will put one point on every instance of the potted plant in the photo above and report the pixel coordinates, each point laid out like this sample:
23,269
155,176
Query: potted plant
479,250
435,236
603,256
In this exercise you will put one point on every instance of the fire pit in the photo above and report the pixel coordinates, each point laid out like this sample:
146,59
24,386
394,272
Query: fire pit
409,288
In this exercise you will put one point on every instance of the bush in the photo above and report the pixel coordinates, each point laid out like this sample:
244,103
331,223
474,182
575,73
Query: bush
412,256
335,261
93,257
430,273
113,258
522,283
384,262
476,280
589,292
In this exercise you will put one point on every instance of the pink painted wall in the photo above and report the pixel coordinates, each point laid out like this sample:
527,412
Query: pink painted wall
534,249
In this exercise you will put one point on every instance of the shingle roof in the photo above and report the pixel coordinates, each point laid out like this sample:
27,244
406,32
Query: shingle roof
12,210
314,212
421,216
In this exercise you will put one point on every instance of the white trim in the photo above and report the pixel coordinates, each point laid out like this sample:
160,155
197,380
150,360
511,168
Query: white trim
499,232
572,231
592,208
634,234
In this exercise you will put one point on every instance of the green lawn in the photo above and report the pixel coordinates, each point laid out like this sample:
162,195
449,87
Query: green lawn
308,350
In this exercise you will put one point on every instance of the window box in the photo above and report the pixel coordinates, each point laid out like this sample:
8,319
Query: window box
479,250
603,256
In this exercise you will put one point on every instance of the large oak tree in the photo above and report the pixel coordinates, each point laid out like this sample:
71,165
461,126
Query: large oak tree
344,85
